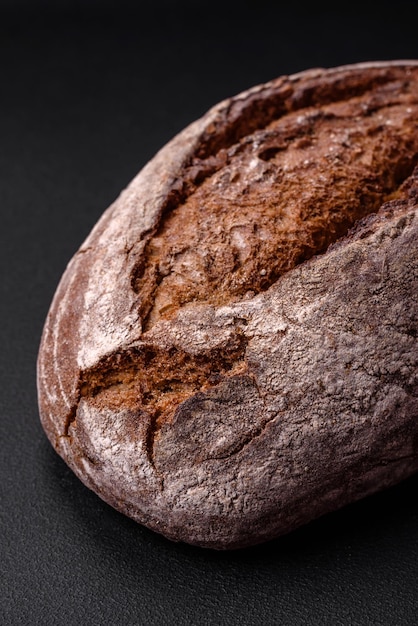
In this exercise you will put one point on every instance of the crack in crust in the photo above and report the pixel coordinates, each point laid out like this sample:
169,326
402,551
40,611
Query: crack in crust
311,173
155,381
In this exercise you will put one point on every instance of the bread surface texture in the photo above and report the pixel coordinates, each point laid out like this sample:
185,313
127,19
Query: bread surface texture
232,351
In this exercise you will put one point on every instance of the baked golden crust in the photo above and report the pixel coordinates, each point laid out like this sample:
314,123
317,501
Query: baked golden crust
211,365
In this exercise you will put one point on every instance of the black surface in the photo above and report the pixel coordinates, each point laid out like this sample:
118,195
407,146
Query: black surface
88,93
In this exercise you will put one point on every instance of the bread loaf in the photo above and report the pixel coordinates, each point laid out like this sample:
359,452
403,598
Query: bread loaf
232,352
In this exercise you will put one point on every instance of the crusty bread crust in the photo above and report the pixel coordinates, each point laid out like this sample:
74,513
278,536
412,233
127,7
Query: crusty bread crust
232,351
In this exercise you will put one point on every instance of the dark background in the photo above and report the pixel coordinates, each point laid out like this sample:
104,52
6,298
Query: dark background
89,91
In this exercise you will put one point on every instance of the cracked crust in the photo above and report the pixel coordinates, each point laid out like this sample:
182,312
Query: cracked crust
232,352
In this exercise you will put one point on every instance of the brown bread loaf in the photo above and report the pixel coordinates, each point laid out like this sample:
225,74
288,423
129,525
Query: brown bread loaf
232,352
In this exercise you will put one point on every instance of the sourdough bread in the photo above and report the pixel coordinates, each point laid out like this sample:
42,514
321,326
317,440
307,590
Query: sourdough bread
232,351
